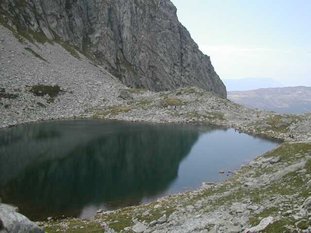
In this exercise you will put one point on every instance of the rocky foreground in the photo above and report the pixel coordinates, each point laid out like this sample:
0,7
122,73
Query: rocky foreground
271,194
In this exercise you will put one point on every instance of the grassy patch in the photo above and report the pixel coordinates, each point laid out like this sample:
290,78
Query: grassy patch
43,90
73,226
22,34
33,36
112,111
118,220
308,166
35,54
156,213
278,123
289,152
255,220
170,101
144,104
304,224
280,226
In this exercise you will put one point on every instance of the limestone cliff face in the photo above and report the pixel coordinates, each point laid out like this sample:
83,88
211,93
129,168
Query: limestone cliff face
139,41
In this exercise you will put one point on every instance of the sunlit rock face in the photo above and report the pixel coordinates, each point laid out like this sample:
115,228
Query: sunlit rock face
140,42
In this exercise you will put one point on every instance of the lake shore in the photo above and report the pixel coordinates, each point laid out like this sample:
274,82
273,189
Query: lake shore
251,195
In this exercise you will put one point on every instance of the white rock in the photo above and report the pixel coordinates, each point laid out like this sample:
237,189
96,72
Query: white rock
307,203
261,226
15,222
163,219
139,227
238,207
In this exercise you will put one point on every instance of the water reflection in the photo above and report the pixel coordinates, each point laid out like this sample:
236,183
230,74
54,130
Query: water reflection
73,168
58,168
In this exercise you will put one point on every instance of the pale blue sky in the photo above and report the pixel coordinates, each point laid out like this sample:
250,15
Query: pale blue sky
253,38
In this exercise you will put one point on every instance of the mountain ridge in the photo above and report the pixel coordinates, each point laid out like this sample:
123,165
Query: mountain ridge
295,100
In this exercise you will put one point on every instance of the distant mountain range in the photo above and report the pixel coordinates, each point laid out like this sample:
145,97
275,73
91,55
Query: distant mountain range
296,100
246,84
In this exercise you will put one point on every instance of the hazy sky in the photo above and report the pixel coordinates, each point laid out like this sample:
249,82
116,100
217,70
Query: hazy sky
253,38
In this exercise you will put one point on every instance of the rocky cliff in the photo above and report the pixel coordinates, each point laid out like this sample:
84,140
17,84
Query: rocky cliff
140,42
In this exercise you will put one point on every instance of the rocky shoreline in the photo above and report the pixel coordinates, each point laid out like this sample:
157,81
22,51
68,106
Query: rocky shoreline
250,201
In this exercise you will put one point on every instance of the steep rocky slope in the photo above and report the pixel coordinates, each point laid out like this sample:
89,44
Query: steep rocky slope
45,81
140,42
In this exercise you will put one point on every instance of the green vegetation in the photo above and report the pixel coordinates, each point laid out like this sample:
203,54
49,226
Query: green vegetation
43,90
280,226
266,213
23,34
74,226
170,101
278,123
118,220
144,104
287,151
111,112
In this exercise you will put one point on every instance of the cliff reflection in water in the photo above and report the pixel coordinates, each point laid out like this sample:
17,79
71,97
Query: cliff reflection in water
58,168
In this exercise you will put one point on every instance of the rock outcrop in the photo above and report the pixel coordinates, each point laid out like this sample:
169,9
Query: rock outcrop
140,42
11,221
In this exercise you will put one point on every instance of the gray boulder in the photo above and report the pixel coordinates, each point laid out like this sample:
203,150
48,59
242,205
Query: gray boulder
140,42
13,222
264,223
307,204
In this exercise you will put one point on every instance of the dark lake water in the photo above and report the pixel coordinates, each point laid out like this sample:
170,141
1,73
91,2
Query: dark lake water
73,168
